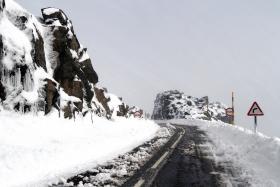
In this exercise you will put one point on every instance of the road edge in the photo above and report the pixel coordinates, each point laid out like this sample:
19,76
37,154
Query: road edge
147,173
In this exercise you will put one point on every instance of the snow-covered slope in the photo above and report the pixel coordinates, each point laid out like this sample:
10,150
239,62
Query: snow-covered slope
36,150
256,155
175,104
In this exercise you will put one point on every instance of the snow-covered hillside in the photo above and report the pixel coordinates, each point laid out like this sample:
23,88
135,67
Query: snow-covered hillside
36,150
256,155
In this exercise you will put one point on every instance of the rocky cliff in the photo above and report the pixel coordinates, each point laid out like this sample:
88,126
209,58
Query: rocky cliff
43,67
174,104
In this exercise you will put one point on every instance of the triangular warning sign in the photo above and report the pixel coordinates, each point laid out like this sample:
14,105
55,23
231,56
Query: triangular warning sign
255,110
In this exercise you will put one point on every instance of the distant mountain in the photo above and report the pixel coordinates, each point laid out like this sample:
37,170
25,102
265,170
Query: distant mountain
43,67
174,104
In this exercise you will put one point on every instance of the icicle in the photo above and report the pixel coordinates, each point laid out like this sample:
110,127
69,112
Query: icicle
34,108
21,107
18,79
28,82
2,76
13,81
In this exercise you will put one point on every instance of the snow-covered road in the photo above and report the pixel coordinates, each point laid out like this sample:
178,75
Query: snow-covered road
192,163
35,151
255,157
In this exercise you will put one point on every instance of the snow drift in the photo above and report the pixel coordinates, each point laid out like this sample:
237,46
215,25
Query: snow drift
38,150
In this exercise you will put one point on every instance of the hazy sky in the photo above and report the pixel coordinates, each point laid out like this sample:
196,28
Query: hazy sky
142,47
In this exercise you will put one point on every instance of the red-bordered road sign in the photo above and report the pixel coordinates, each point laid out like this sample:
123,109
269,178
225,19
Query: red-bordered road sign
229,112
255,110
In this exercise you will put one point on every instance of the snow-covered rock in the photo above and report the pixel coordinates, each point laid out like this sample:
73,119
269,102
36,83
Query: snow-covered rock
43,66
175,104
22,60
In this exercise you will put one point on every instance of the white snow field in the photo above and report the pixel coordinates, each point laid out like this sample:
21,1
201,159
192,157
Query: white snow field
257,155
37,150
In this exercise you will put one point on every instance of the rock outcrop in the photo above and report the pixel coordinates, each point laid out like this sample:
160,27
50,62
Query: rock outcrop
174,104
44,67
123,110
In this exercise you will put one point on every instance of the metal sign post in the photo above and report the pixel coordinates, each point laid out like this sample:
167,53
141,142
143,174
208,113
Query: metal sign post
255,111
232,106
256,124
230,111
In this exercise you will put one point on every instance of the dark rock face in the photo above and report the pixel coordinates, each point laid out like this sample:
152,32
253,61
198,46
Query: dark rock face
73,88
174,104
71,62
101,98
1,48
2,92
38,52
2,5
89,72
52,95
123,110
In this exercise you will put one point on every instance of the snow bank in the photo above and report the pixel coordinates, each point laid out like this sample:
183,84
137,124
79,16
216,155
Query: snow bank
117,171
256,154
38,149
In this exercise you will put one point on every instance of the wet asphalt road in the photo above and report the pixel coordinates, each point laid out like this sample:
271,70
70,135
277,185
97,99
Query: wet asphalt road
190,165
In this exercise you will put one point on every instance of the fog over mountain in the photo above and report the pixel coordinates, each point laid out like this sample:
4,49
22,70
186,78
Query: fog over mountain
201,48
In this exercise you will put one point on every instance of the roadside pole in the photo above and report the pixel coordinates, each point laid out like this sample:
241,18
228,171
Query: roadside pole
207,106
230,111
256,124
232,106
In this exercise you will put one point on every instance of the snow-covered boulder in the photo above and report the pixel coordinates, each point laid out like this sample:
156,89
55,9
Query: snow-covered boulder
175,104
